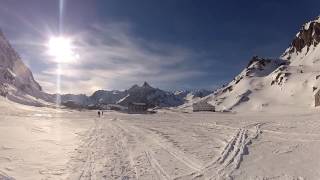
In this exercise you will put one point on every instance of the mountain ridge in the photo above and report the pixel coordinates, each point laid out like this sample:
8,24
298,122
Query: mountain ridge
287,82
16,81
142,94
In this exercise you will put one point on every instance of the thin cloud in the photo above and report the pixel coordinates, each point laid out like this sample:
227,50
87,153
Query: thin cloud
112,57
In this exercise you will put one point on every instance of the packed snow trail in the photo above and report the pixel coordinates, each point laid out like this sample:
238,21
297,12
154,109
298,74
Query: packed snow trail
135,155
104,155
116,149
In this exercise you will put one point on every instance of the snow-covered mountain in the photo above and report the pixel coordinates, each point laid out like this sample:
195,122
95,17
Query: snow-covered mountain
290,81
191,96
97,98
145,94
151,96
16,80
107,97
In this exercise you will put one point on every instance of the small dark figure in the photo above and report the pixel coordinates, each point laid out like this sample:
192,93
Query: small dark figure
102,113
99,113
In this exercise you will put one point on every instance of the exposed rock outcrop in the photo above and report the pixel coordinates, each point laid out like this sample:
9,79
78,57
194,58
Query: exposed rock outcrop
16,80
309,35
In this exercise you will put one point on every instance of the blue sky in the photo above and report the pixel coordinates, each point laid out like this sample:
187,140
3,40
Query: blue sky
172,44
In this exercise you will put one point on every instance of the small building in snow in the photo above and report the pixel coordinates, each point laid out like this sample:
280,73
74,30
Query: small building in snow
317,99
202,106
134,107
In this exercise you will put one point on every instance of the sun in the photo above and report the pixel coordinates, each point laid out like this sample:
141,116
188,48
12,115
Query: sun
62,49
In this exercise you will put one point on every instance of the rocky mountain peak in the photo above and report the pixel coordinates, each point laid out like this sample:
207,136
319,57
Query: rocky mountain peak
8,56
258,60
133,87
16,78
146,85
308,35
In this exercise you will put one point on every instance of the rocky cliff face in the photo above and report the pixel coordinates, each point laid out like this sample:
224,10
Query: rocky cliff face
14,70
16,79
307,37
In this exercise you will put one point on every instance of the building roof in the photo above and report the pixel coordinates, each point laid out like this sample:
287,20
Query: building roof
138,104
202,103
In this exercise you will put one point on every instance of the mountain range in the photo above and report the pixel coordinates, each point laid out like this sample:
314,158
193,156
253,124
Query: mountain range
145,93
18,84
289,81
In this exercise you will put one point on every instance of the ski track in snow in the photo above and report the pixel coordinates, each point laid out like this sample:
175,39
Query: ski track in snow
229,159
140,153
103,156
165,146
151,145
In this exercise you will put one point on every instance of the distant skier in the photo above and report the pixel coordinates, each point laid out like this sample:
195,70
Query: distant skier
98,113
101,113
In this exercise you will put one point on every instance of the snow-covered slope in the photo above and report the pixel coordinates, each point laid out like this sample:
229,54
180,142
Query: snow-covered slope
288,82
16,80
191,96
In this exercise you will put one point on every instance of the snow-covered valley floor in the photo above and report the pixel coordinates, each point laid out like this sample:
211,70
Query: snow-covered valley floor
40,143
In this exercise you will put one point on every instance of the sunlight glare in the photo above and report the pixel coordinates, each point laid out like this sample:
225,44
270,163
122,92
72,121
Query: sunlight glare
61,49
